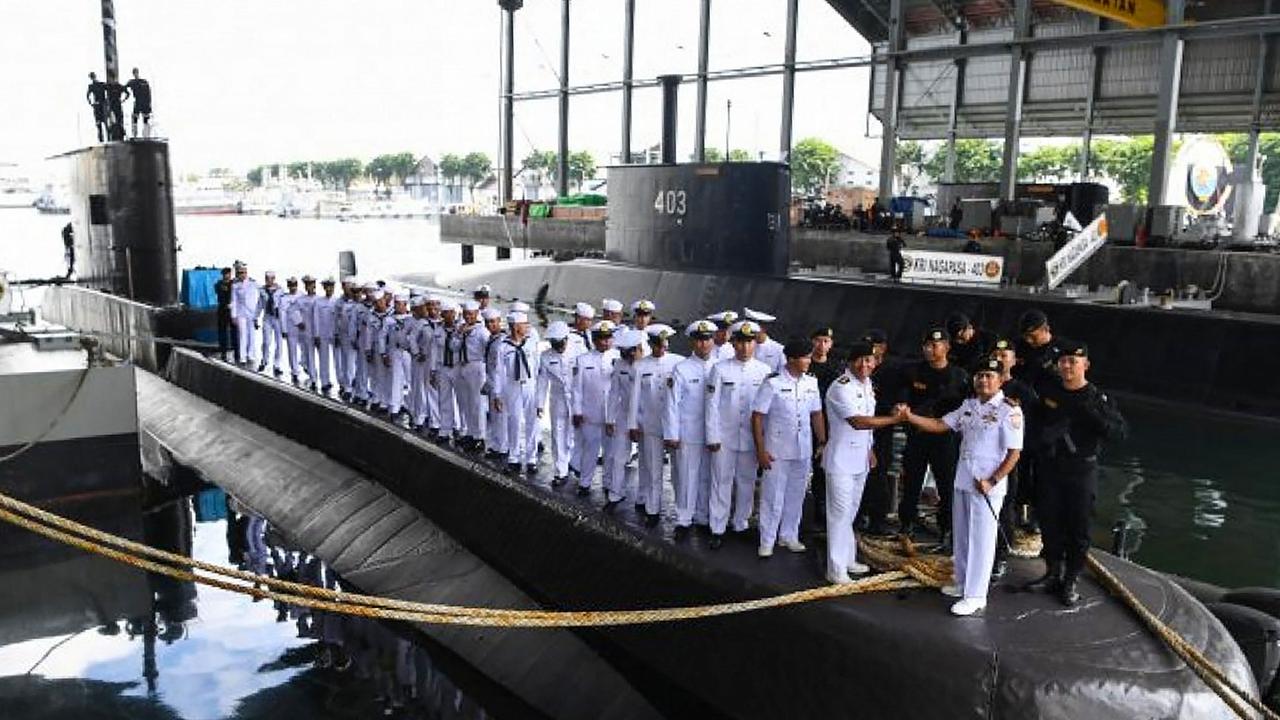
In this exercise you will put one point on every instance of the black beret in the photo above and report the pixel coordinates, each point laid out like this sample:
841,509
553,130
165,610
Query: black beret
875,336
1071,347
825,332
860,349
797,347
956,322
936,334
1031,320
989,365
1002,344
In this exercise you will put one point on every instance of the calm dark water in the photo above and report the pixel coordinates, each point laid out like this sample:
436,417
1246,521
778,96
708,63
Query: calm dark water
199,653
1200,489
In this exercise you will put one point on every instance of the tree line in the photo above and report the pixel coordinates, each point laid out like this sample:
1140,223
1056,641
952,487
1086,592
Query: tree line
470,170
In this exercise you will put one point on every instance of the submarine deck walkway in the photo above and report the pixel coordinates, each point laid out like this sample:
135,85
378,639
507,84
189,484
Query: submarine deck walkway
875,653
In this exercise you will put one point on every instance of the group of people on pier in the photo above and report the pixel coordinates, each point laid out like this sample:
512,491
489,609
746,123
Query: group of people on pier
1009,426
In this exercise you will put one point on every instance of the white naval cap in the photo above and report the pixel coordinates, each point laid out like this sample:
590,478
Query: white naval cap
519,306
292,280
659,331
434,299
483,291
269,273
643,306
558,330
370,286
700,329
348,279
491,314
629,339
724,317
517,317
611,305
400,297
584,310
448,306
760,317
744,330
376,294
603,327
327,281
417,301
470,306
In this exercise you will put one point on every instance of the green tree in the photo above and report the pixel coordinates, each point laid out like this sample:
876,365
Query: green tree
713,155
977,160
254,176
402,164
910,163
1127,163
298,169
740,155
341,172
476,166
813,163
451,168
581,166
1049,163
1237,145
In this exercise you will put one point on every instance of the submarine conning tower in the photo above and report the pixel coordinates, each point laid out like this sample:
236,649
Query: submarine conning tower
728,217
122,214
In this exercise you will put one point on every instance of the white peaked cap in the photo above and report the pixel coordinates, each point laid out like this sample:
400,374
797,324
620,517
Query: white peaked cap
584,310
518,317
491,314
470,306
558,330
757,315
611,305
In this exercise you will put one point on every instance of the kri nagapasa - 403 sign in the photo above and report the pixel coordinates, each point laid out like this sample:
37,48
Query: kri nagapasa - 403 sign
952,267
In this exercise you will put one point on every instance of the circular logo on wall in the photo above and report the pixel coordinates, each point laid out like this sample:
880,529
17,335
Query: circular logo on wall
1201,176
991,269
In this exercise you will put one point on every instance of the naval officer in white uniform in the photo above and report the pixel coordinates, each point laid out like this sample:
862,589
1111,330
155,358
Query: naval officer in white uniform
848,457
786,417
990,428
684,428
768,350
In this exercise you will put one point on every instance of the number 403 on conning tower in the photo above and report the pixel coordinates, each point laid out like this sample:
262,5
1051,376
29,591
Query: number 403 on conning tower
670,202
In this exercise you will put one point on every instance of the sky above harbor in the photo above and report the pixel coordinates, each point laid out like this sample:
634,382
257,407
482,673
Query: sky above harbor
239,83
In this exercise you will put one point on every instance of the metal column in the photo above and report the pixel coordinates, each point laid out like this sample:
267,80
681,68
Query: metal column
628,57
1170,83
1017,93
788,84
562,148
704,51
110,53
1086,143
508,102
1259,90
953,114
889,140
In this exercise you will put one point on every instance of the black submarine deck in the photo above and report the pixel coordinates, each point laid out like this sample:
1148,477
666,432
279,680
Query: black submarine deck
875,655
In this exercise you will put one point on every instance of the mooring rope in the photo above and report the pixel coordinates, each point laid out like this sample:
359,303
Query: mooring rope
912,571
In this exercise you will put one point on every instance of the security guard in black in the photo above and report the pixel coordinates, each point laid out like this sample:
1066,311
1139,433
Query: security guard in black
932,387
1074,417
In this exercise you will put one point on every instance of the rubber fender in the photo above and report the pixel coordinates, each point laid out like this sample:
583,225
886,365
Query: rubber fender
1257,634
1259,598
1204,592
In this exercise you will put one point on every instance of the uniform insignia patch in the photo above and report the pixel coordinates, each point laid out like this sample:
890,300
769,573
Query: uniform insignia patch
844,380
1050,402
711,388
919,385
671,382
1015,421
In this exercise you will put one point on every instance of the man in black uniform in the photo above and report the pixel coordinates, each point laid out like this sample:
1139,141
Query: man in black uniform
97,98
1074,418
877,494
1037,357
897,263
226,339
969,345
115,110
69,248
140,90
932,387
826,369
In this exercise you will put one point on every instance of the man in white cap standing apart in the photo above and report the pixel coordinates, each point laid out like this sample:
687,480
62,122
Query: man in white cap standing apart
611,310
244,312
786,418
325,322
684,428
444,369
768,350
495,429
731,388
471,377
513,386
652,385
272,337
553,388
592,376
618,412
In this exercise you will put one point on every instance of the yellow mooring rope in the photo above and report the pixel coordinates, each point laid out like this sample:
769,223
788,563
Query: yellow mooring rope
912,572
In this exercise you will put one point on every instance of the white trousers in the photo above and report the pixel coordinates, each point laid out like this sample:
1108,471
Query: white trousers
324,362
649,473
419,383
590,439
617,451
561,432
245,350
307,353
293,350
272,343
844,495
520,411
341,363
496,422
396,379
733,486
451,420
471,404
974,529
691,480
359,375
782,499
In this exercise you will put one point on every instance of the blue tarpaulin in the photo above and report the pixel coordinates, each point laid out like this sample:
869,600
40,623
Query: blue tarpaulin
197,287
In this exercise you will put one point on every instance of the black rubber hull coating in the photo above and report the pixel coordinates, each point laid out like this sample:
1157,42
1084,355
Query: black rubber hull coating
872,656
